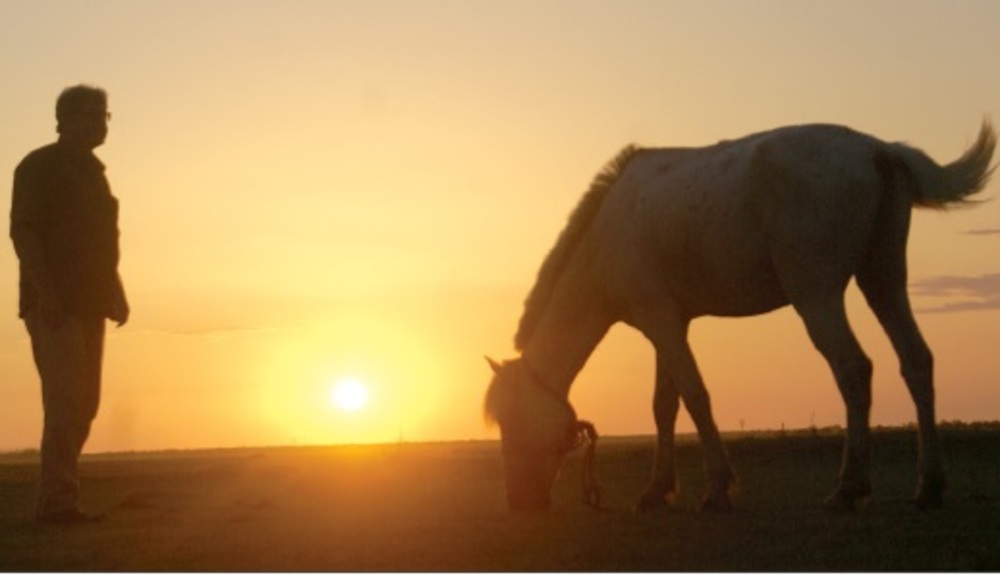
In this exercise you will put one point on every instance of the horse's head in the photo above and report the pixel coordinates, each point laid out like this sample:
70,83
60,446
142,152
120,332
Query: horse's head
537,428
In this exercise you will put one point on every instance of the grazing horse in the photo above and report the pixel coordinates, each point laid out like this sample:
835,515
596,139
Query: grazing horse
740,228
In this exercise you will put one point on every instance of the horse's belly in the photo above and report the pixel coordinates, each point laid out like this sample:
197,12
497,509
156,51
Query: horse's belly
741,285
715,255
733,277
734,300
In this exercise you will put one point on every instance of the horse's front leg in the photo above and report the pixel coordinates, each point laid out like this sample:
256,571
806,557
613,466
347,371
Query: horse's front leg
663,487
668,331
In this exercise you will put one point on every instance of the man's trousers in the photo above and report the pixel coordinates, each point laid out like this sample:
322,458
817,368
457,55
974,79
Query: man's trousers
68,357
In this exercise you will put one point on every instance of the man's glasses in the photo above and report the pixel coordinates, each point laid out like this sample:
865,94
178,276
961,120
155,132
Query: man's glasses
94,114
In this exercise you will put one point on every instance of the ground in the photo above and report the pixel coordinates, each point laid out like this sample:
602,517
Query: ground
439,507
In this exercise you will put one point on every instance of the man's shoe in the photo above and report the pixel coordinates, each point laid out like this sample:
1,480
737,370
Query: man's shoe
71,517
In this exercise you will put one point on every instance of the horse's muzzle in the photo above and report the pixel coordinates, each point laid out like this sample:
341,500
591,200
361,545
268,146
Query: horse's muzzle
529,481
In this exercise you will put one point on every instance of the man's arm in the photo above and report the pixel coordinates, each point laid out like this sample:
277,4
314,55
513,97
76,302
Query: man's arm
27,217
119,303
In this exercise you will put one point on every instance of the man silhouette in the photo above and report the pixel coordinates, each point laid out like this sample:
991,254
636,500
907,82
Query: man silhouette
64,225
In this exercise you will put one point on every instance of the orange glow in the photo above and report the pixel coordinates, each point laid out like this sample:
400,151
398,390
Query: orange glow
312,191
401,381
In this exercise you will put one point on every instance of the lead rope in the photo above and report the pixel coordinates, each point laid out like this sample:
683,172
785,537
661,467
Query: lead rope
579,432
592,491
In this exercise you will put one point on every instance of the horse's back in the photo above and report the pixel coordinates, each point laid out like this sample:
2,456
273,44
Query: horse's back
723,229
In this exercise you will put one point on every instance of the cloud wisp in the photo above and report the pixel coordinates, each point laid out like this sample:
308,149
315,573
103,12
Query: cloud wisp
976,293
984,232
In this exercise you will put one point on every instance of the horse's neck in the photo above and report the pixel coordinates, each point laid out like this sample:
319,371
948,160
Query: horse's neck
574,322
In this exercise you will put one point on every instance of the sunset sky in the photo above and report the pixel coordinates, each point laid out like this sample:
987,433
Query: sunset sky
330,190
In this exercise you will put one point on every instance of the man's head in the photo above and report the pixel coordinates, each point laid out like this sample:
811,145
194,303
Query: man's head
82,116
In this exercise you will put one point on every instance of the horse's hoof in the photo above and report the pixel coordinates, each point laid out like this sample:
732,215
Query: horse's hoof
929,498
930,493
721,488
844,500
655,502
839,504
716,505
925,503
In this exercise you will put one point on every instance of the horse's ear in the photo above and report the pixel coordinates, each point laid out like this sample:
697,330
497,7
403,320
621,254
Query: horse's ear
494,364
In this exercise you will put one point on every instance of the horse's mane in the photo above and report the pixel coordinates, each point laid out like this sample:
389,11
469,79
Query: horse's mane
555,262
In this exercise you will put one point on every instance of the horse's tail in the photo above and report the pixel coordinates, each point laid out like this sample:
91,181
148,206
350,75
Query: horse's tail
939,187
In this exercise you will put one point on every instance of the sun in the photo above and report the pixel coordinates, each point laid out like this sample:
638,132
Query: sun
349,394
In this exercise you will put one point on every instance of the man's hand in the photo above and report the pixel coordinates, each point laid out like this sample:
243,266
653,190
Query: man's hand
119,304
119,311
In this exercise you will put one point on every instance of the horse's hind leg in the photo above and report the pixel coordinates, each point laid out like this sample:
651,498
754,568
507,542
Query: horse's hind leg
826,322
663,487
884,286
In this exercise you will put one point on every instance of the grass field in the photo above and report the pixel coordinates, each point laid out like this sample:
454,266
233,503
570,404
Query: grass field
440,507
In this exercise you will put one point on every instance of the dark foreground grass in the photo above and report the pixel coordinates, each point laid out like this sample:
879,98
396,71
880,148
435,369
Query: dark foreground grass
440,507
